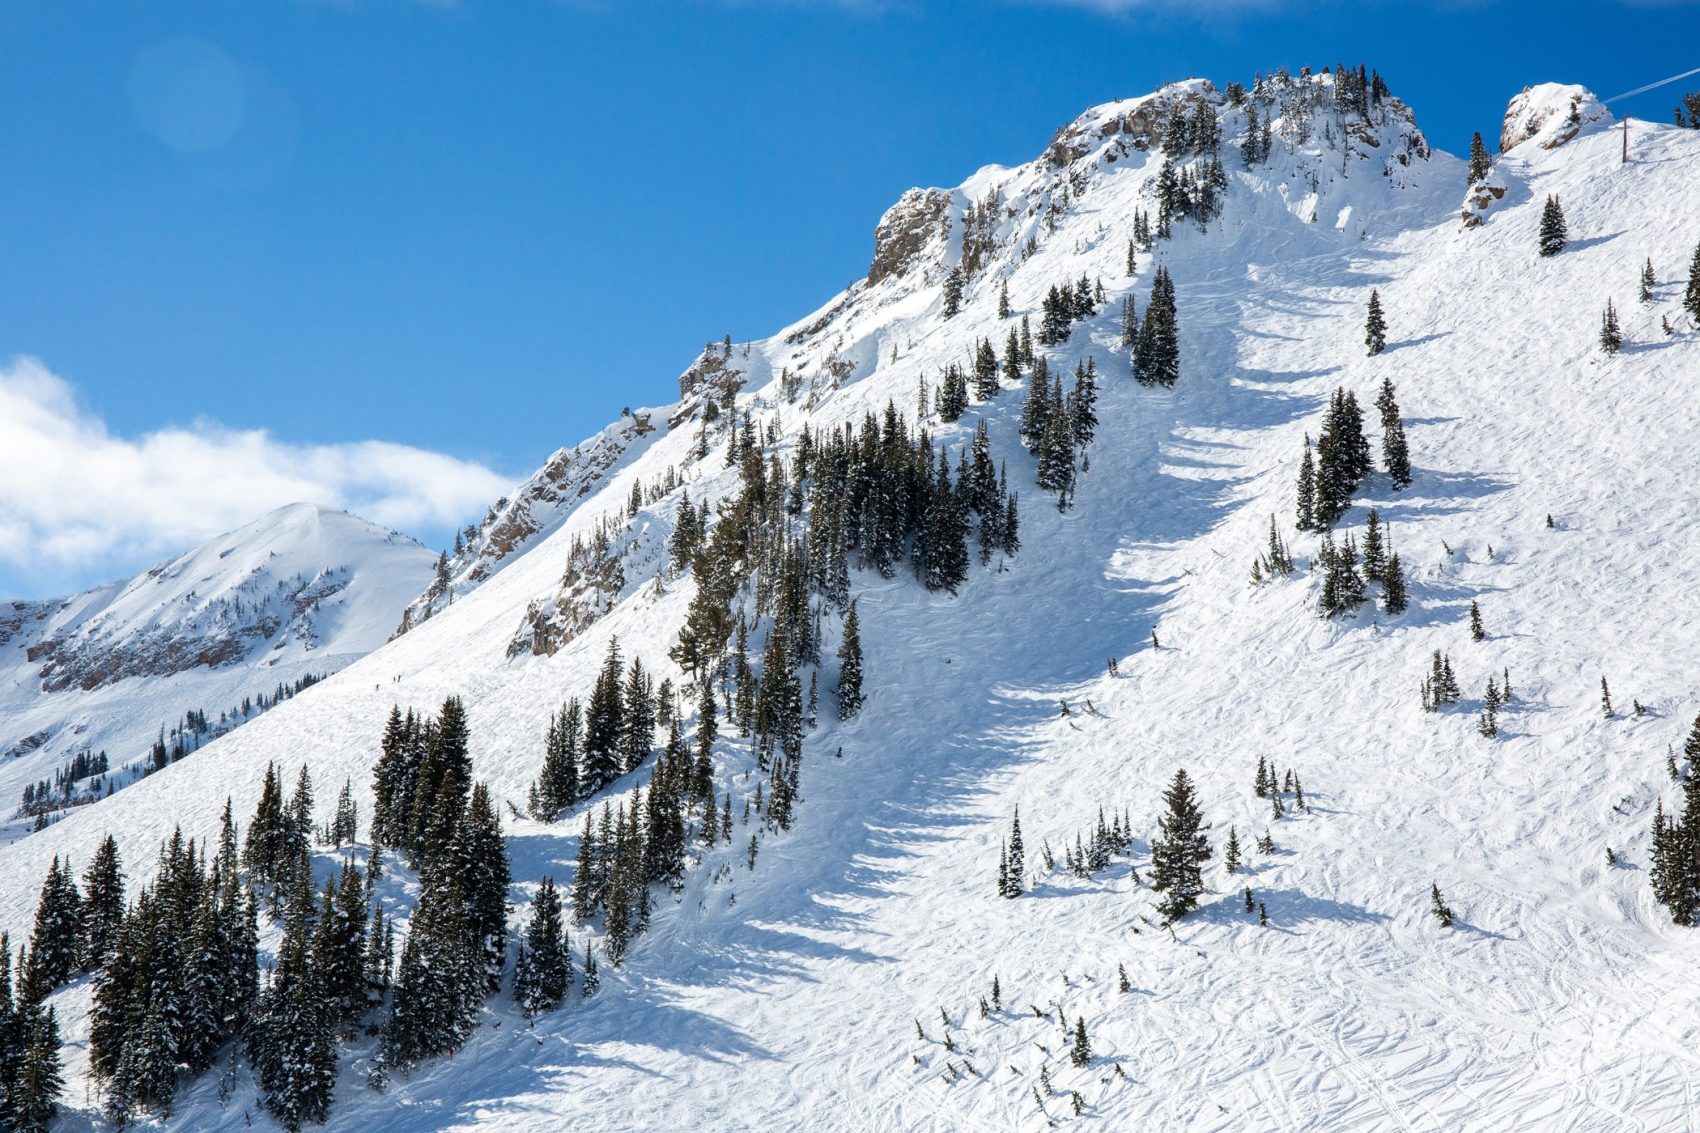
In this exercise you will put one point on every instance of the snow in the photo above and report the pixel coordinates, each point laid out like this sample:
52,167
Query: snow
787,995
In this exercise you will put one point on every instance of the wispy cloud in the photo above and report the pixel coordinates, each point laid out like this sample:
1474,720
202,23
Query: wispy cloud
74,497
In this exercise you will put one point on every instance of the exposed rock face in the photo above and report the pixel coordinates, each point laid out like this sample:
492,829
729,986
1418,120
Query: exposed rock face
905,229
1549,115
1478,200
539,504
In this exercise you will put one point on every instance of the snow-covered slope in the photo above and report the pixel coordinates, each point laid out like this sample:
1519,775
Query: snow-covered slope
298,593
790,994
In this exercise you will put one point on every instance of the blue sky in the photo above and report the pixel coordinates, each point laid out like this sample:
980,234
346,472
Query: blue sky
275,232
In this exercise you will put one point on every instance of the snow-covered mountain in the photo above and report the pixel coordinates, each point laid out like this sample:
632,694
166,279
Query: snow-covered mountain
836,978
297,594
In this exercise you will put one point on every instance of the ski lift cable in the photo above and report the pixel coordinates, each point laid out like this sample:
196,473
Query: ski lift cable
1652,86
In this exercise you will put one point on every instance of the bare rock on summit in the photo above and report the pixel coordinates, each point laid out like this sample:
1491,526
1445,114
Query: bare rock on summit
1549,115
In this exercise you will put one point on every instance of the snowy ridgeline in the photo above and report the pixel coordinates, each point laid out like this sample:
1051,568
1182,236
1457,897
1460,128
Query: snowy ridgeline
1408,879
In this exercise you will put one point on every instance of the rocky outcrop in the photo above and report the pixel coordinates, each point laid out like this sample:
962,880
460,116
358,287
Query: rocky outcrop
1549,115
904,230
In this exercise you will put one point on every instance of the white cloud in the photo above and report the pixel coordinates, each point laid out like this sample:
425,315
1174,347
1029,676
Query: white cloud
75,497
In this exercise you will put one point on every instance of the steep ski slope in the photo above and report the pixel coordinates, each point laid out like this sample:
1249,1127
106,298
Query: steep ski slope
303,590
790,994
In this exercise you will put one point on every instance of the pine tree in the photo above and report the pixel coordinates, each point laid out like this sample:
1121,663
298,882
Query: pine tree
541,982
1438,906
1611,334
604,724
1375,326
1554,234
1480,162
1307,490
56,942
1477,633
1003,300
850,667
1605,699
1393,598
1179,851
953,293
1647,282
1691,295
1394,451
985,371
1156,355
103,903
557,784
1017,857
1231,854
1375,551
1080,1050
1130,314
34,1082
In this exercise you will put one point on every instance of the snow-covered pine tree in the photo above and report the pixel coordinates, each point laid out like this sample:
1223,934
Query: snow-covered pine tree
1691,294
1393,597
1306,520
1179,851
1553,234
1611,333
1375,551
1017,862
542,981
1645,294
1375,325
953,293
1477,633
1395,453
1480,162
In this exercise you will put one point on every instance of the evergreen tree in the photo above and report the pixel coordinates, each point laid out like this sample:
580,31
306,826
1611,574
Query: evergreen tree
1480,162
56,942
1179,851
985,371
541,982
1035,406
1477,633
1394,451
1156,356
34,1082
1231,854
1080,1050
103,903
1307,490
1647,282
953,293
1393,598
1691,295
1375,326
1605,699
1083,403
1375,551
293,1046
1554,234
1017,857
1130,313
1611,334
604,723
557,783
1003,300
1438,906
479,859
850,667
